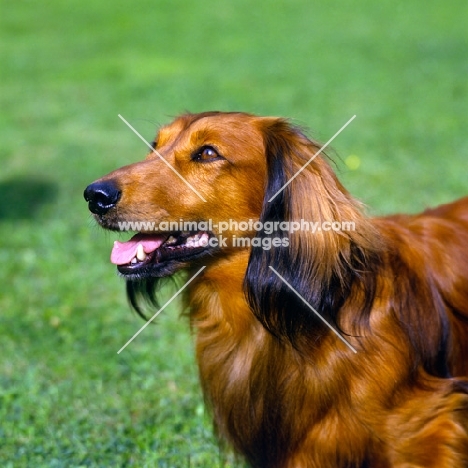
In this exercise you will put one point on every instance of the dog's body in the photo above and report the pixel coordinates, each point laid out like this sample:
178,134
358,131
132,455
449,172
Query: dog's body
285,390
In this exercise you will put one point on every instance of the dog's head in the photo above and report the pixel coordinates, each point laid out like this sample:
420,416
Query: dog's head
235,175
205,169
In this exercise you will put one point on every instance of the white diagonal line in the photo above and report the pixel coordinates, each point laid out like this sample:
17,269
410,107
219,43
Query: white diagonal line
312,158
158,154
313,310
161,309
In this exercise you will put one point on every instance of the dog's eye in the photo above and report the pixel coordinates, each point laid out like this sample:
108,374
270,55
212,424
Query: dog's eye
206,154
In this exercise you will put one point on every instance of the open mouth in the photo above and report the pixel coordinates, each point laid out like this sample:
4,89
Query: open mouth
158,255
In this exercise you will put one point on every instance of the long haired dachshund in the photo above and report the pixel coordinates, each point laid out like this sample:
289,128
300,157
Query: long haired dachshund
327,348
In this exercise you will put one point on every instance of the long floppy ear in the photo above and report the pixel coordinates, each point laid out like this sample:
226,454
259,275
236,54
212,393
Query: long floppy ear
321,266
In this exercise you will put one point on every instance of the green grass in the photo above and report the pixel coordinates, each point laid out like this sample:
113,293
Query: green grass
68,68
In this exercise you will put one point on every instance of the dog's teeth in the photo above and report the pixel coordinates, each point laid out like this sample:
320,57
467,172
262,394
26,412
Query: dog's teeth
134,260
193,241
140,253
171,240
204,239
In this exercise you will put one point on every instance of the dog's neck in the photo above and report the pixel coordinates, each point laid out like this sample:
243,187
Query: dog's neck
217,300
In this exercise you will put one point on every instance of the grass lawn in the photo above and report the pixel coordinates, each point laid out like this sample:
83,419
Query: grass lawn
67,69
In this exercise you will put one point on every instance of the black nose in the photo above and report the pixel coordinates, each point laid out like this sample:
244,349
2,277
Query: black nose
102,196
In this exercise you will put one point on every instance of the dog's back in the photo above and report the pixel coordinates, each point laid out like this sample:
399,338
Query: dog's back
438,238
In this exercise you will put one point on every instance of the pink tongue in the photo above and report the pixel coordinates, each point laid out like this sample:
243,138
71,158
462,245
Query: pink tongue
123,252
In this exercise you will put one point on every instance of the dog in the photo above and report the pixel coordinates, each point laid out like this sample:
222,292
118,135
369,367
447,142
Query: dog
333,348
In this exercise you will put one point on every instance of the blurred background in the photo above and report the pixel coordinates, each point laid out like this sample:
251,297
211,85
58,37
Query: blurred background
68,68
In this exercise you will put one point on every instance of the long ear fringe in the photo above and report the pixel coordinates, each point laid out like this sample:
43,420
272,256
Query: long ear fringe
321,268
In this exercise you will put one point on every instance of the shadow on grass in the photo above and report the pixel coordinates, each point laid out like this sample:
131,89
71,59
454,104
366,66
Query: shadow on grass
22,197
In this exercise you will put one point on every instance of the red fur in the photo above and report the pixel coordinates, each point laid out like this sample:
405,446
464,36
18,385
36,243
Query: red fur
285,391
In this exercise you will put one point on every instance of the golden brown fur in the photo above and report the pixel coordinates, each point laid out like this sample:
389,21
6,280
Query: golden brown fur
284,390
